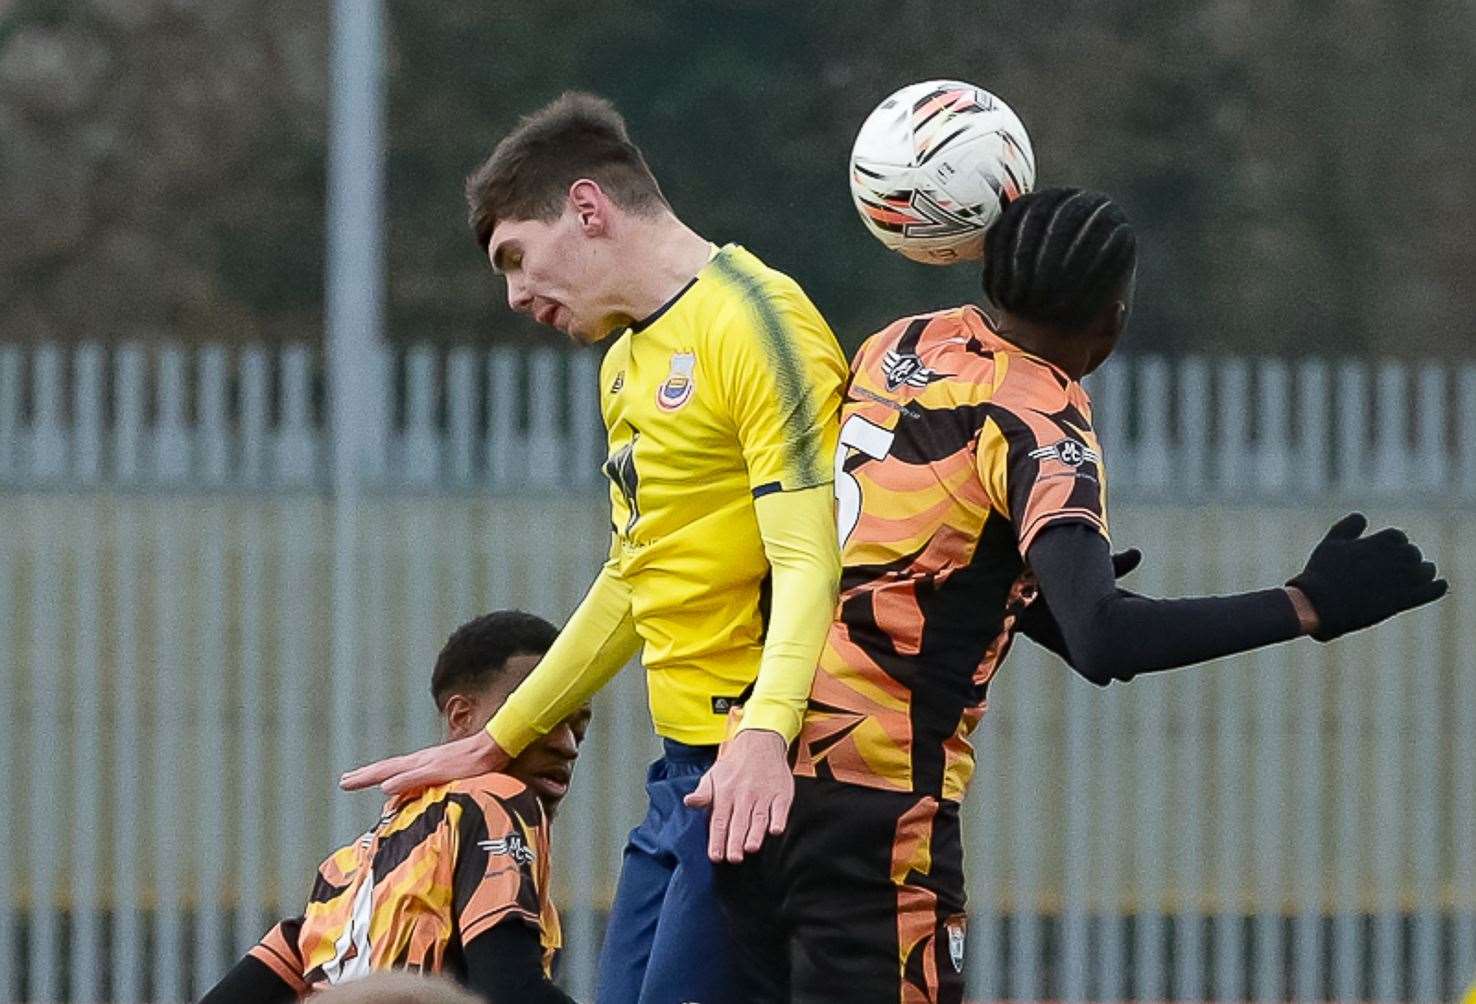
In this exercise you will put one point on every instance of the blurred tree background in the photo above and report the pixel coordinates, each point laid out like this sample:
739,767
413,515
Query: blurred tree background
1302,172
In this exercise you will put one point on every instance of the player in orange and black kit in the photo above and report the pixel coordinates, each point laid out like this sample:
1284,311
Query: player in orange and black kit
971,489
452,880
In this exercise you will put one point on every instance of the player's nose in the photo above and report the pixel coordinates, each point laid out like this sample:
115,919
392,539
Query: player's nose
519,297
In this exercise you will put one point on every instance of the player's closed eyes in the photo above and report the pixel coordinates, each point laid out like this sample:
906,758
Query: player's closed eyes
579,725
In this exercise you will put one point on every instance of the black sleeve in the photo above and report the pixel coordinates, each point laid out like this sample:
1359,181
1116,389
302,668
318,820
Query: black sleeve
1044,631
505,966
250,981
1111,634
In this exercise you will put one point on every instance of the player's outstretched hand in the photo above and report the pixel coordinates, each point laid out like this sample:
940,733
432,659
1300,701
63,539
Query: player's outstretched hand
749,791
476,754
1353,581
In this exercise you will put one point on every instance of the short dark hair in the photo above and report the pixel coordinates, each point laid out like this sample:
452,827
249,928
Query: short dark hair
478,651
575,136
1058,256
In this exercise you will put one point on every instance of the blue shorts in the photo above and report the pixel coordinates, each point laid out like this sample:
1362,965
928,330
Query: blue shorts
667,940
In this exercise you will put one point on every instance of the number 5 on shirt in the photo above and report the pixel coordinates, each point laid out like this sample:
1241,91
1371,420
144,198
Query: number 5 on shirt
870,440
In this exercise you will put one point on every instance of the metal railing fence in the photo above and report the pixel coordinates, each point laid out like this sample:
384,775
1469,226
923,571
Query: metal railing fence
1295,824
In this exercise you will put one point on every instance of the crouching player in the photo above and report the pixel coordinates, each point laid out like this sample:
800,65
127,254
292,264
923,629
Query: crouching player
453,879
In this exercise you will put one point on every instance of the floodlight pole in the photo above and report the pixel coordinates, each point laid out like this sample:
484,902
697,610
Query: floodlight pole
356,352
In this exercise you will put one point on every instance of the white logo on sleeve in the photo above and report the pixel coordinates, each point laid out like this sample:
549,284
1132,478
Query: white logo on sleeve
1070,452
512,845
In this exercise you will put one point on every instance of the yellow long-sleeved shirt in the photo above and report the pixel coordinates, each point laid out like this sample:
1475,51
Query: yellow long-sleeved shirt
722,417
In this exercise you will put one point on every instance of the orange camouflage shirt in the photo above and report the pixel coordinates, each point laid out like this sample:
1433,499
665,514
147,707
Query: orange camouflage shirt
437,870
956,450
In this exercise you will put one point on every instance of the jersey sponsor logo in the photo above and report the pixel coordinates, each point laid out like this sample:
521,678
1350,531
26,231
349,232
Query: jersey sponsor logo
1070,452
676,389
905,410
511,845
617,383
955,929
722,705
907,369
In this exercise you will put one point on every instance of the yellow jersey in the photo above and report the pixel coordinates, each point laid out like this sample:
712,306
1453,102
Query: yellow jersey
729,392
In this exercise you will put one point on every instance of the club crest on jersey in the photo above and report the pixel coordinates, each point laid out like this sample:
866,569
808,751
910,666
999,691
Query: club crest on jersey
1070,452
618,382
512,845
676,389
907,369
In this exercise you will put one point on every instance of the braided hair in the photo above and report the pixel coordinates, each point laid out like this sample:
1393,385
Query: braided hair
1058,256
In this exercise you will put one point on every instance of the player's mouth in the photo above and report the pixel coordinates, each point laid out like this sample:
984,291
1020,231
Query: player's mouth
551,784
549,316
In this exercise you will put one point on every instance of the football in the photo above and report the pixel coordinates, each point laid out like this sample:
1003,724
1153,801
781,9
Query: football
934,165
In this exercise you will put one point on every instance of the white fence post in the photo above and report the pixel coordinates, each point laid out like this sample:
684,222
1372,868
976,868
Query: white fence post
1313,434
255,836
47,756
504,445
1351,429
212,438
587,430
87,414
1273,411
1150,812
209,734
1157,456
1232,445
1110,416
1391,445
1466,422
1233,751
88,950
10,410
546,461
129,375
1194,438
461,410
422,461
256,411
295,438
48,441
1463,748
129,774
171,441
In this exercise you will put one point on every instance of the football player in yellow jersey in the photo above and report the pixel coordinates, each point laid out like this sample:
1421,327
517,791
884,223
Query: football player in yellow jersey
721,398
453,880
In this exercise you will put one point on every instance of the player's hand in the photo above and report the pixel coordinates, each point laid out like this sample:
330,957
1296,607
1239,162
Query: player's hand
1038,623
476,754
1353,581
749,791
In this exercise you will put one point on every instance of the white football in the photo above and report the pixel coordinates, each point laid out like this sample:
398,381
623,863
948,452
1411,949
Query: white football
934,165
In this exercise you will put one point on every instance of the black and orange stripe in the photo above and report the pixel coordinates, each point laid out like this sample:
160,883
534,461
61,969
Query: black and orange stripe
934,572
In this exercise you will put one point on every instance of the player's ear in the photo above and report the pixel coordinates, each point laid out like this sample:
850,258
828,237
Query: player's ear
459,712
591,206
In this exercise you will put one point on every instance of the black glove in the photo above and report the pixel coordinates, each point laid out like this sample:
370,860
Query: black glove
1038,623
1355,581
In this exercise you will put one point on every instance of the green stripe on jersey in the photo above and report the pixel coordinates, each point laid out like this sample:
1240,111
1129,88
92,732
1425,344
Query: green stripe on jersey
788,372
